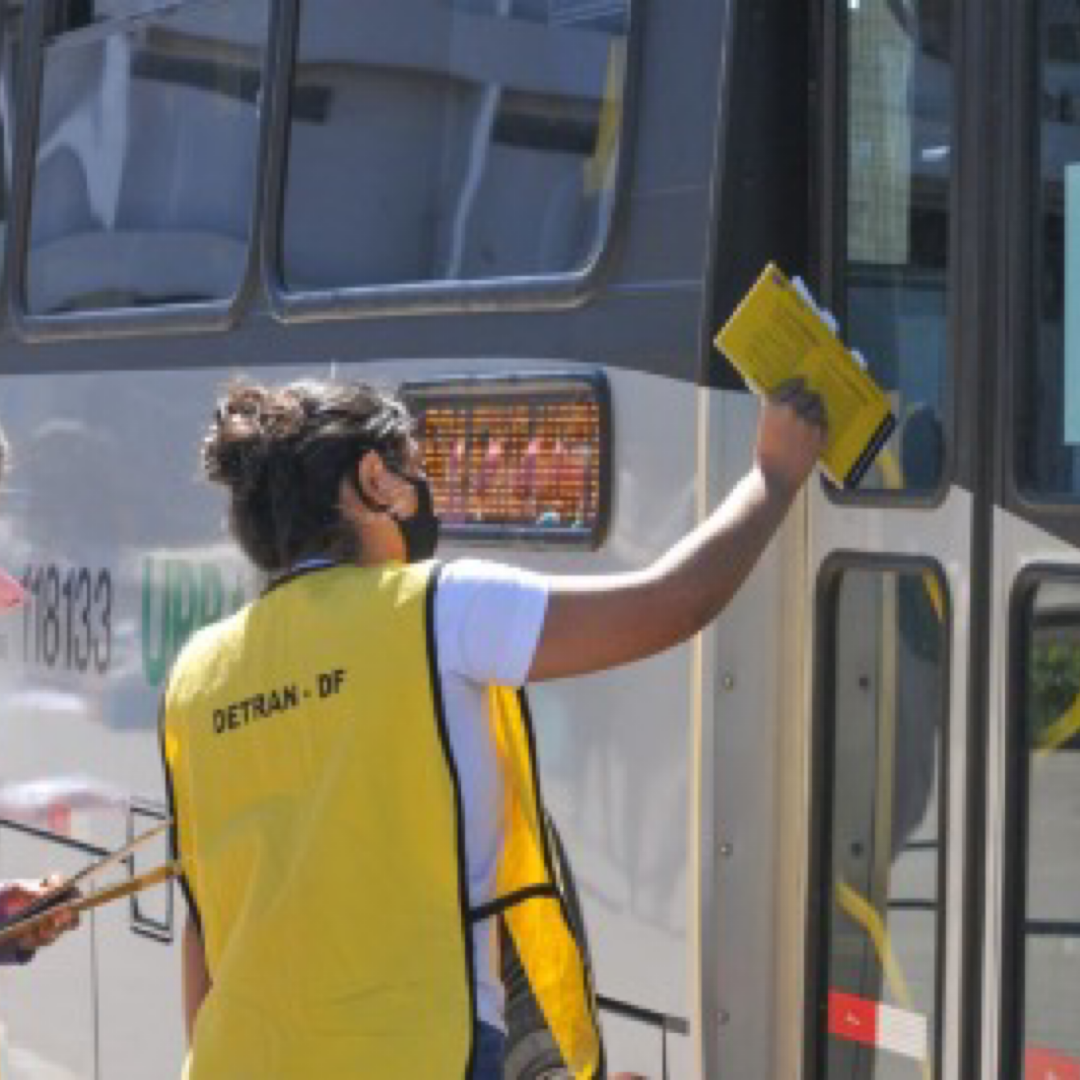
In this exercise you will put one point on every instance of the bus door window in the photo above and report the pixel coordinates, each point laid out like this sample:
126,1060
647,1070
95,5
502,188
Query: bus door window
145,167
448,141
1048,431
893,277
1046,930
875,1004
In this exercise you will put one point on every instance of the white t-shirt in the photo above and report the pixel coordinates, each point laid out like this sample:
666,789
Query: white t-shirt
488,619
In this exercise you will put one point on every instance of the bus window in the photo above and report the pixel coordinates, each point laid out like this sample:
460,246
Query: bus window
147,138
10,33
1046,930
879,885
1048,431
451,141
895,261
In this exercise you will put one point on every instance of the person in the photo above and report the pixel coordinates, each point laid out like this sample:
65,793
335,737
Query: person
17,895
349,759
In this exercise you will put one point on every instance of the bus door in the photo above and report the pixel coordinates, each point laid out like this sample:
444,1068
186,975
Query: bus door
889,568
1031,953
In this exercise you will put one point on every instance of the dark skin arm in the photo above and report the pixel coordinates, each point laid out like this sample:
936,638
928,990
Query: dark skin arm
602,621
599,622
195,974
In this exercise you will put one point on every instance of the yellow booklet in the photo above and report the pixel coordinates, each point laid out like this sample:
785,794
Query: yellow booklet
777,334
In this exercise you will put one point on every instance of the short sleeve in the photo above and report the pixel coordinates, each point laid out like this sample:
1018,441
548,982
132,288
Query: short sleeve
488,619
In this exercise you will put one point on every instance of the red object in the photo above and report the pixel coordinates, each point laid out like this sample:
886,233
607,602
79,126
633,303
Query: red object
11,592
59,820
1049,1065
852,1018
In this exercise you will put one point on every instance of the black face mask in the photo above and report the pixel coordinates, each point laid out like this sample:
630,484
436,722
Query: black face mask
421,530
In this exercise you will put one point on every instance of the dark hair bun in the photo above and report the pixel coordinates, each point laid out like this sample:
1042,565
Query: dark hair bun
252,426
284,452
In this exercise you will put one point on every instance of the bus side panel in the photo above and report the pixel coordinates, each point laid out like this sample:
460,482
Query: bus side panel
104,480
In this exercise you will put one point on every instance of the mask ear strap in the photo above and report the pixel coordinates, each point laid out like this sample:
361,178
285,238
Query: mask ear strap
374,507
402,474
377,508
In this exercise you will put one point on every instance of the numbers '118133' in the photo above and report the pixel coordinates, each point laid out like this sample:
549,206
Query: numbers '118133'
67,620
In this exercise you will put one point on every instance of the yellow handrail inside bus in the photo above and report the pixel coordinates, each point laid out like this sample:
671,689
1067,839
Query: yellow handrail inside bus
597,170
893,478
1061,730
856,907
864,914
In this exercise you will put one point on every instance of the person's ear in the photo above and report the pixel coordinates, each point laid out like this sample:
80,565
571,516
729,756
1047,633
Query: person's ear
372,480
383,489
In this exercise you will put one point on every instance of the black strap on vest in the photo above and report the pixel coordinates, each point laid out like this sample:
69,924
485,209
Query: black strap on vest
174,828
518,896
459,806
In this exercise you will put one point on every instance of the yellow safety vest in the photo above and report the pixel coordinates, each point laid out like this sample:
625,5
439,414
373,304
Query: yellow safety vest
319,825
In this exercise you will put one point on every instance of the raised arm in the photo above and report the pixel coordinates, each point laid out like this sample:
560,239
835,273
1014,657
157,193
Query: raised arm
594,623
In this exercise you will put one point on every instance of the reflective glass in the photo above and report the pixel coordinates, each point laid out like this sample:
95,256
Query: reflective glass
146,158
878,995
451,140
65,15
10,48
1048,431
894,275
1050,744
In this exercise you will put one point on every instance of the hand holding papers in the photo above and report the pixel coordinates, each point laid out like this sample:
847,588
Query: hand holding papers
778,333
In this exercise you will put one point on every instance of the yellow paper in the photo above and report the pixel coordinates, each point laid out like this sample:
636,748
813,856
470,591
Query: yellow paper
775,335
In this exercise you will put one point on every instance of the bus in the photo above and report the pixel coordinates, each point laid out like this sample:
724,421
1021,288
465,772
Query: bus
833,837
